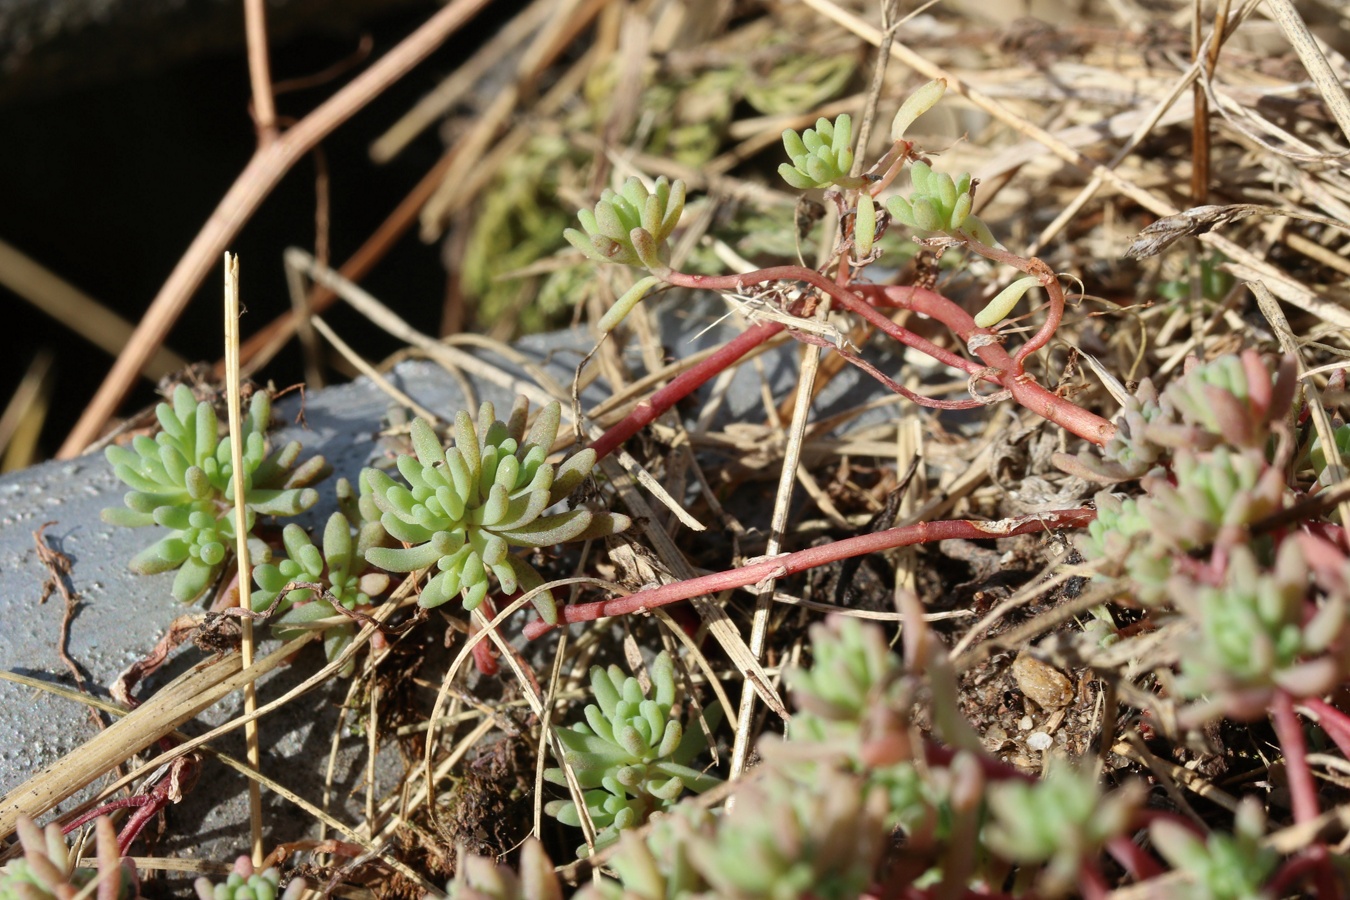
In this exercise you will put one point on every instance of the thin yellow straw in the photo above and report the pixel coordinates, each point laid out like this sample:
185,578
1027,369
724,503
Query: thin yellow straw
241,539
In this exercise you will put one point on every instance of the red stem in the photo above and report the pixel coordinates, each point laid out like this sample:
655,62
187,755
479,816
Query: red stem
1335,723
685,384
1049,281
1302,790
842,296
791,563
984,343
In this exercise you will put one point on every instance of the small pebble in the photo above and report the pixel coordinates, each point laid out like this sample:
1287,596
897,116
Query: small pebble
1047,687
1039,740
1026,723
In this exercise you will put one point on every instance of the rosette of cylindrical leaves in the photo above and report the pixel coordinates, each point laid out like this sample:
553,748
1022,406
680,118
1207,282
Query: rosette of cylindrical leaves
183,479
851,670
481,878
787,840
630,757
1210,494
46,870
657,866
461,509
1130,452
1257,632
1123,535
340,569
1057,822
1221,866
246,883
1231,400
630,227
940,203
821,156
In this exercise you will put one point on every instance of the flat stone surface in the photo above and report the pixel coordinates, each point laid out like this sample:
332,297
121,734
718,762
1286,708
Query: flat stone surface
122,615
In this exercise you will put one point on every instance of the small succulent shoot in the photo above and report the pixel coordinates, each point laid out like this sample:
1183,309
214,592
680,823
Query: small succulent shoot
246,883
865,225
182,479
631,227
1233,399
480,878
1256,634
1004,302
1058,821
915,105
851,667
630,757
821,156
940,204
788,839
1211,494
1222,866
464,507
47,871
340,569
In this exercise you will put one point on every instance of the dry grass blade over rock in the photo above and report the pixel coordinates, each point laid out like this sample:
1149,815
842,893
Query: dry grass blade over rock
955,509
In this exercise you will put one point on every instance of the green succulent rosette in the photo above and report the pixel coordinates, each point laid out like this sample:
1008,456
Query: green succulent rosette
183,479
340,568
461,509
630,756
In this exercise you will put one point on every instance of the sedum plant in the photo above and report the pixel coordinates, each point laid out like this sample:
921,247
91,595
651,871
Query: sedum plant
479,878
340,569
47,871
1256,635
182,479
630,757
821,156
246,883
461,509
1222,866
1058,822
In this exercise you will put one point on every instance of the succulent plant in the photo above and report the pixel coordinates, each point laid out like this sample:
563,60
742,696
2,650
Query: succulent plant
939,203
657,866
47,871
465,506
851,668
1213,493
821,156
182,479
246,883
630,757
1232,399
630,227
787,840
1256,634
340,568
480,878
1222,866
1130,452
1059,821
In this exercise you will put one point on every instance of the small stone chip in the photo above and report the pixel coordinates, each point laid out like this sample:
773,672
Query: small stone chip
1039,740
1048,687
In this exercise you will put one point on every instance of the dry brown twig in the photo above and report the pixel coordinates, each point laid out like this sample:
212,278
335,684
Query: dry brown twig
264,171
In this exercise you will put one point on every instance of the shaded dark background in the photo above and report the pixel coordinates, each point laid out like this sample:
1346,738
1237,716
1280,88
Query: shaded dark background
116,145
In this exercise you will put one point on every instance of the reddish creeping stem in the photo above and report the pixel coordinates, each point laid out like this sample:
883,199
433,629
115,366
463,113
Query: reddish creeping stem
1000,367
791,563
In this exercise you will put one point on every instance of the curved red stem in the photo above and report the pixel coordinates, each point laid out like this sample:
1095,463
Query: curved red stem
791,563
